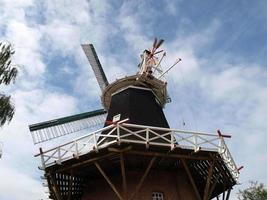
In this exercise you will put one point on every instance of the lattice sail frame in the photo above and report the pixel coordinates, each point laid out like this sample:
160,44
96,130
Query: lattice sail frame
92,57
51,129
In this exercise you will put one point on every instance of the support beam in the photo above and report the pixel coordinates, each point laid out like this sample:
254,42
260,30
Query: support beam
124,182
191,179
134,152
55,187
112,149
207,187
143,178
228,194
223,193
108,180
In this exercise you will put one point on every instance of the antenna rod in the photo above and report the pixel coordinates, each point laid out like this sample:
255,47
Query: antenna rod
170,68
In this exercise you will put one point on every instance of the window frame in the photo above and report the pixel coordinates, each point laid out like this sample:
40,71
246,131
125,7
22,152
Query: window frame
157,196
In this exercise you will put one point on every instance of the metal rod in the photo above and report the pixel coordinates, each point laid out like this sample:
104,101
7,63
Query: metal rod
156,67
170,68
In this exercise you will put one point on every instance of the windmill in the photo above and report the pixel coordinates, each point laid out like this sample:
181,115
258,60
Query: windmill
136,155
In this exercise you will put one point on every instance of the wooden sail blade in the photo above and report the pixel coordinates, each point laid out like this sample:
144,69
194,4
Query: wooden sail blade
159,43
55,128
155,43
92,57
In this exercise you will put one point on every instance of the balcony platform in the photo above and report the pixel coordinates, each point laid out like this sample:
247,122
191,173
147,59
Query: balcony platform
203,157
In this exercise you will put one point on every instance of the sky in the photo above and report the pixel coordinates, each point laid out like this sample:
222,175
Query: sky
220,83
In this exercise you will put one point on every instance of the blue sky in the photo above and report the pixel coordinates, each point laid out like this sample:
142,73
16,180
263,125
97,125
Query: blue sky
220,83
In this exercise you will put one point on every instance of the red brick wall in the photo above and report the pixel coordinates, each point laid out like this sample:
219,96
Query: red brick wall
174,186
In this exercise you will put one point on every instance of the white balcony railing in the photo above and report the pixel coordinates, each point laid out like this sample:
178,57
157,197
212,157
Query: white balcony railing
139,134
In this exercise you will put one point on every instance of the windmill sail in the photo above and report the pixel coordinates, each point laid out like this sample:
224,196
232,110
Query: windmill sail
48,130
91,55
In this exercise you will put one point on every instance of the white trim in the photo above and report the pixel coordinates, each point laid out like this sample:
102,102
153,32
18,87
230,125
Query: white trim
131,86
139,88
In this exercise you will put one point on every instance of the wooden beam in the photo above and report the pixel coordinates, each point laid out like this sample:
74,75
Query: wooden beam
228,194
70,185
207,187
86,162
191,179
108,180
168,155
223,192
163,158
143,178
123,174
55,187
112,149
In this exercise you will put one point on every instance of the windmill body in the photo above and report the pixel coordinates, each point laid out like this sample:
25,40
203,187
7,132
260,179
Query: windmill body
136,155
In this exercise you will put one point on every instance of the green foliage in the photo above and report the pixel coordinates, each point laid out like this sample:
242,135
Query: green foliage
8,73
6,109
256,191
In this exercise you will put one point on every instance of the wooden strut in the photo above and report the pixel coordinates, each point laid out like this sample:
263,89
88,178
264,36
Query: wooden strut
108,180
55,187
143,178
116,150
167,156
124,182
191,179
207,187
223,197
228,194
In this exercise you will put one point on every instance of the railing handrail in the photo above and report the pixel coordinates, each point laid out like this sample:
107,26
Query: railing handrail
195,141
133,126
168,129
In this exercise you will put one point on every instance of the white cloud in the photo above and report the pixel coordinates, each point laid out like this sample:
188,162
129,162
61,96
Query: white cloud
18,185
26,40
230,96
61,36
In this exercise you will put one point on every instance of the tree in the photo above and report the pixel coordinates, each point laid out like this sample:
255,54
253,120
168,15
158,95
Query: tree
256,191
8,73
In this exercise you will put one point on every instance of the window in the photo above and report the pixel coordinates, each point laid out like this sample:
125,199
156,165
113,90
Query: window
157,196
